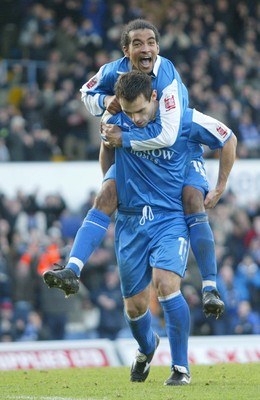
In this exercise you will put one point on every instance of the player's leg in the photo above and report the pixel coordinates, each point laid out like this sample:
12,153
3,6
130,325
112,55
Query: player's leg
139,319
177,322
203,247
167,272
94,227
131,244
195,190
88,238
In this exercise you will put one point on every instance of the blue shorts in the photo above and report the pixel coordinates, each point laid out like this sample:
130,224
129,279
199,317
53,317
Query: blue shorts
196,177
159,243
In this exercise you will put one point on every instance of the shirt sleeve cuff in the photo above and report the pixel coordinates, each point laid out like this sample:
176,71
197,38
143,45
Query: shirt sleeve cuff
101,101
125,139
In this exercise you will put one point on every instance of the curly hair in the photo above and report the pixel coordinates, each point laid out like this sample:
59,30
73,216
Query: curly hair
135,25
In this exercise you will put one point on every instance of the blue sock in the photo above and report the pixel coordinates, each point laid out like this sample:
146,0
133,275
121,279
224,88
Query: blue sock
202,244
141,329
177,320
88,237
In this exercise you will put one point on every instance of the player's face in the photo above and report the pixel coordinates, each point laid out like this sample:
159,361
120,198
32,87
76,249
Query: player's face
140,111
143,50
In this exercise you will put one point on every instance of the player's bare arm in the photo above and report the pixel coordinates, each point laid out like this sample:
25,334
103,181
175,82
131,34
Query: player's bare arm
112,104
106,156
226,161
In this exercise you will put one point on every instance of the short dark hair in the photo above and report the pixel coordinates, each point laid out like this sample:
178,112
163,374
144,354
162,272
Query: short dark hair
132,84
133,26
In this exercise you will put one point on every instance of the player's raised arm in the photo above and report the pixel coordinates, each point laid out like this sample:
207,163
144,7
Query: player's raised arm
226,162
95,93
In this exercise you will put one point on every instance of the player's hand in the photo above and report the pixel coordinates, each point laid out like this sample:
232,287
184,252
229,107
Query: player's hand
112,105
108,145
112,134
212,198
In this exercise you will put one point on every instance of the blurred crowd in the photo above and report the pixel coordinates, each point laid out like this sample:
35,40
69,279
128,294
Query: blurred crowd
36,233
49,48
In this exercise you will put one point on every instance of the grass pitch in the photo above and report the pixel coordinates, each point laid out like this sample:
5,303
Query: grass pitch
220,381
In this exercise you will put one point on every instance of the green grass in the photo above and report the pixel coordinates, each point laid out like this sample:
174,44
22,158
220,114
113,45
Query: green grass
220,382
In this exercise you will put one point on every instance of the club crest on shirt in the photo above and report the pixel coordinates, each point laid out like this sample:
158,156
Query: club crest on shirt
169,102
92,82
222,131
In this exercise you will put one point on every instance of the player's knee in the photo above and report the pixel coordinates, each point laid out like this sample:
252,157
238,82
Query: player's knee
106,200
165,289
137,306
193,200
166,282
135,311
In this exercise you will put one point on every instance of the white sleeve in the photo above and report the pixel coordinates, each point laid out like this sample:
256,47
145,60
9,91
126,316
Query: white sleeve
163,132
90,96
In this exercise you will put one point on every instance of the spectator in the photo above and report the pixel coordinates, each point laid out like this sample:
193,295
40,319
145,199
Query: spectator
249,136
31,217
6,324
33,329
53,206
54,310
76,136
6,289
88,204
31,107
248,273
66,38
254,232
246,322
235,240
43,145
24,284
4,152
108,298
83,316
232,292
18,140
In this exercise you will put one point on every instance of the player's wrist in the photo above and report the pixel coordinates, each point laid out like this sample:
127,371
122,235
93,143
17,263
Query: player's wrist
220,188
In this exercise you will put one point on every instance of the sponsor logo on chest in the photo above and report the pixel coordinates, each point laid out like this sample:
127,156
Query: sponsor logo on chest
156,155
